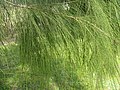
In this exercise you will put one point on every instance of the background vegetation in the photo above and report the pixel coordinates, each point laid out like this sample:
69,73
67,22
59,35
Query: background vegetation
59,44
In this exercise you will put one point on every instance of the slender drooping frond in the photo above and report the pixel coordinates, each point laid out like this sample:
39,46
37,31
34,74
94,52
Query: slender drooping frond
61,44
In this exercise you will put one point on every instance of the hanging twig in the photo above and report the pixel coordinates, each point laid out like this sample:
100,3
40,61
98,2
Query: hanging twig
30,6
17,5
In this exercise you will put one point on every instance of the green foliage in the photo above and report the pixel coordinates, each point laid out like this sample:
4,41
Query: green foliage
64,45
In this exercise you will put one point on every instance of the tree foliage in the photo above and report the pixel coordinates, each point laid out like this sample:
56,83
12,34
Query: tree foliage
64,44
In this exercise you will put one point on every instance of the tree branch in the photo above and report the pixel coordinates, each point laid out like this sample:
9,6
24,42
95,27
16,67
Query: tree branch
17,5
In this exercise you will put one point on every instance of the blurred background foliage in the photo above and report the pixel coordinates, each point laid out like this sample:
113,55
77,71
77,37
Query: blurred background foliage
59,44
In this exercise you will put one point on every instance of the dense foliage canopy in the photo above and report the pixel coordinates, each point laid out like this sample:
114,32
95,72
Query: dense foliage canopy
59,44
